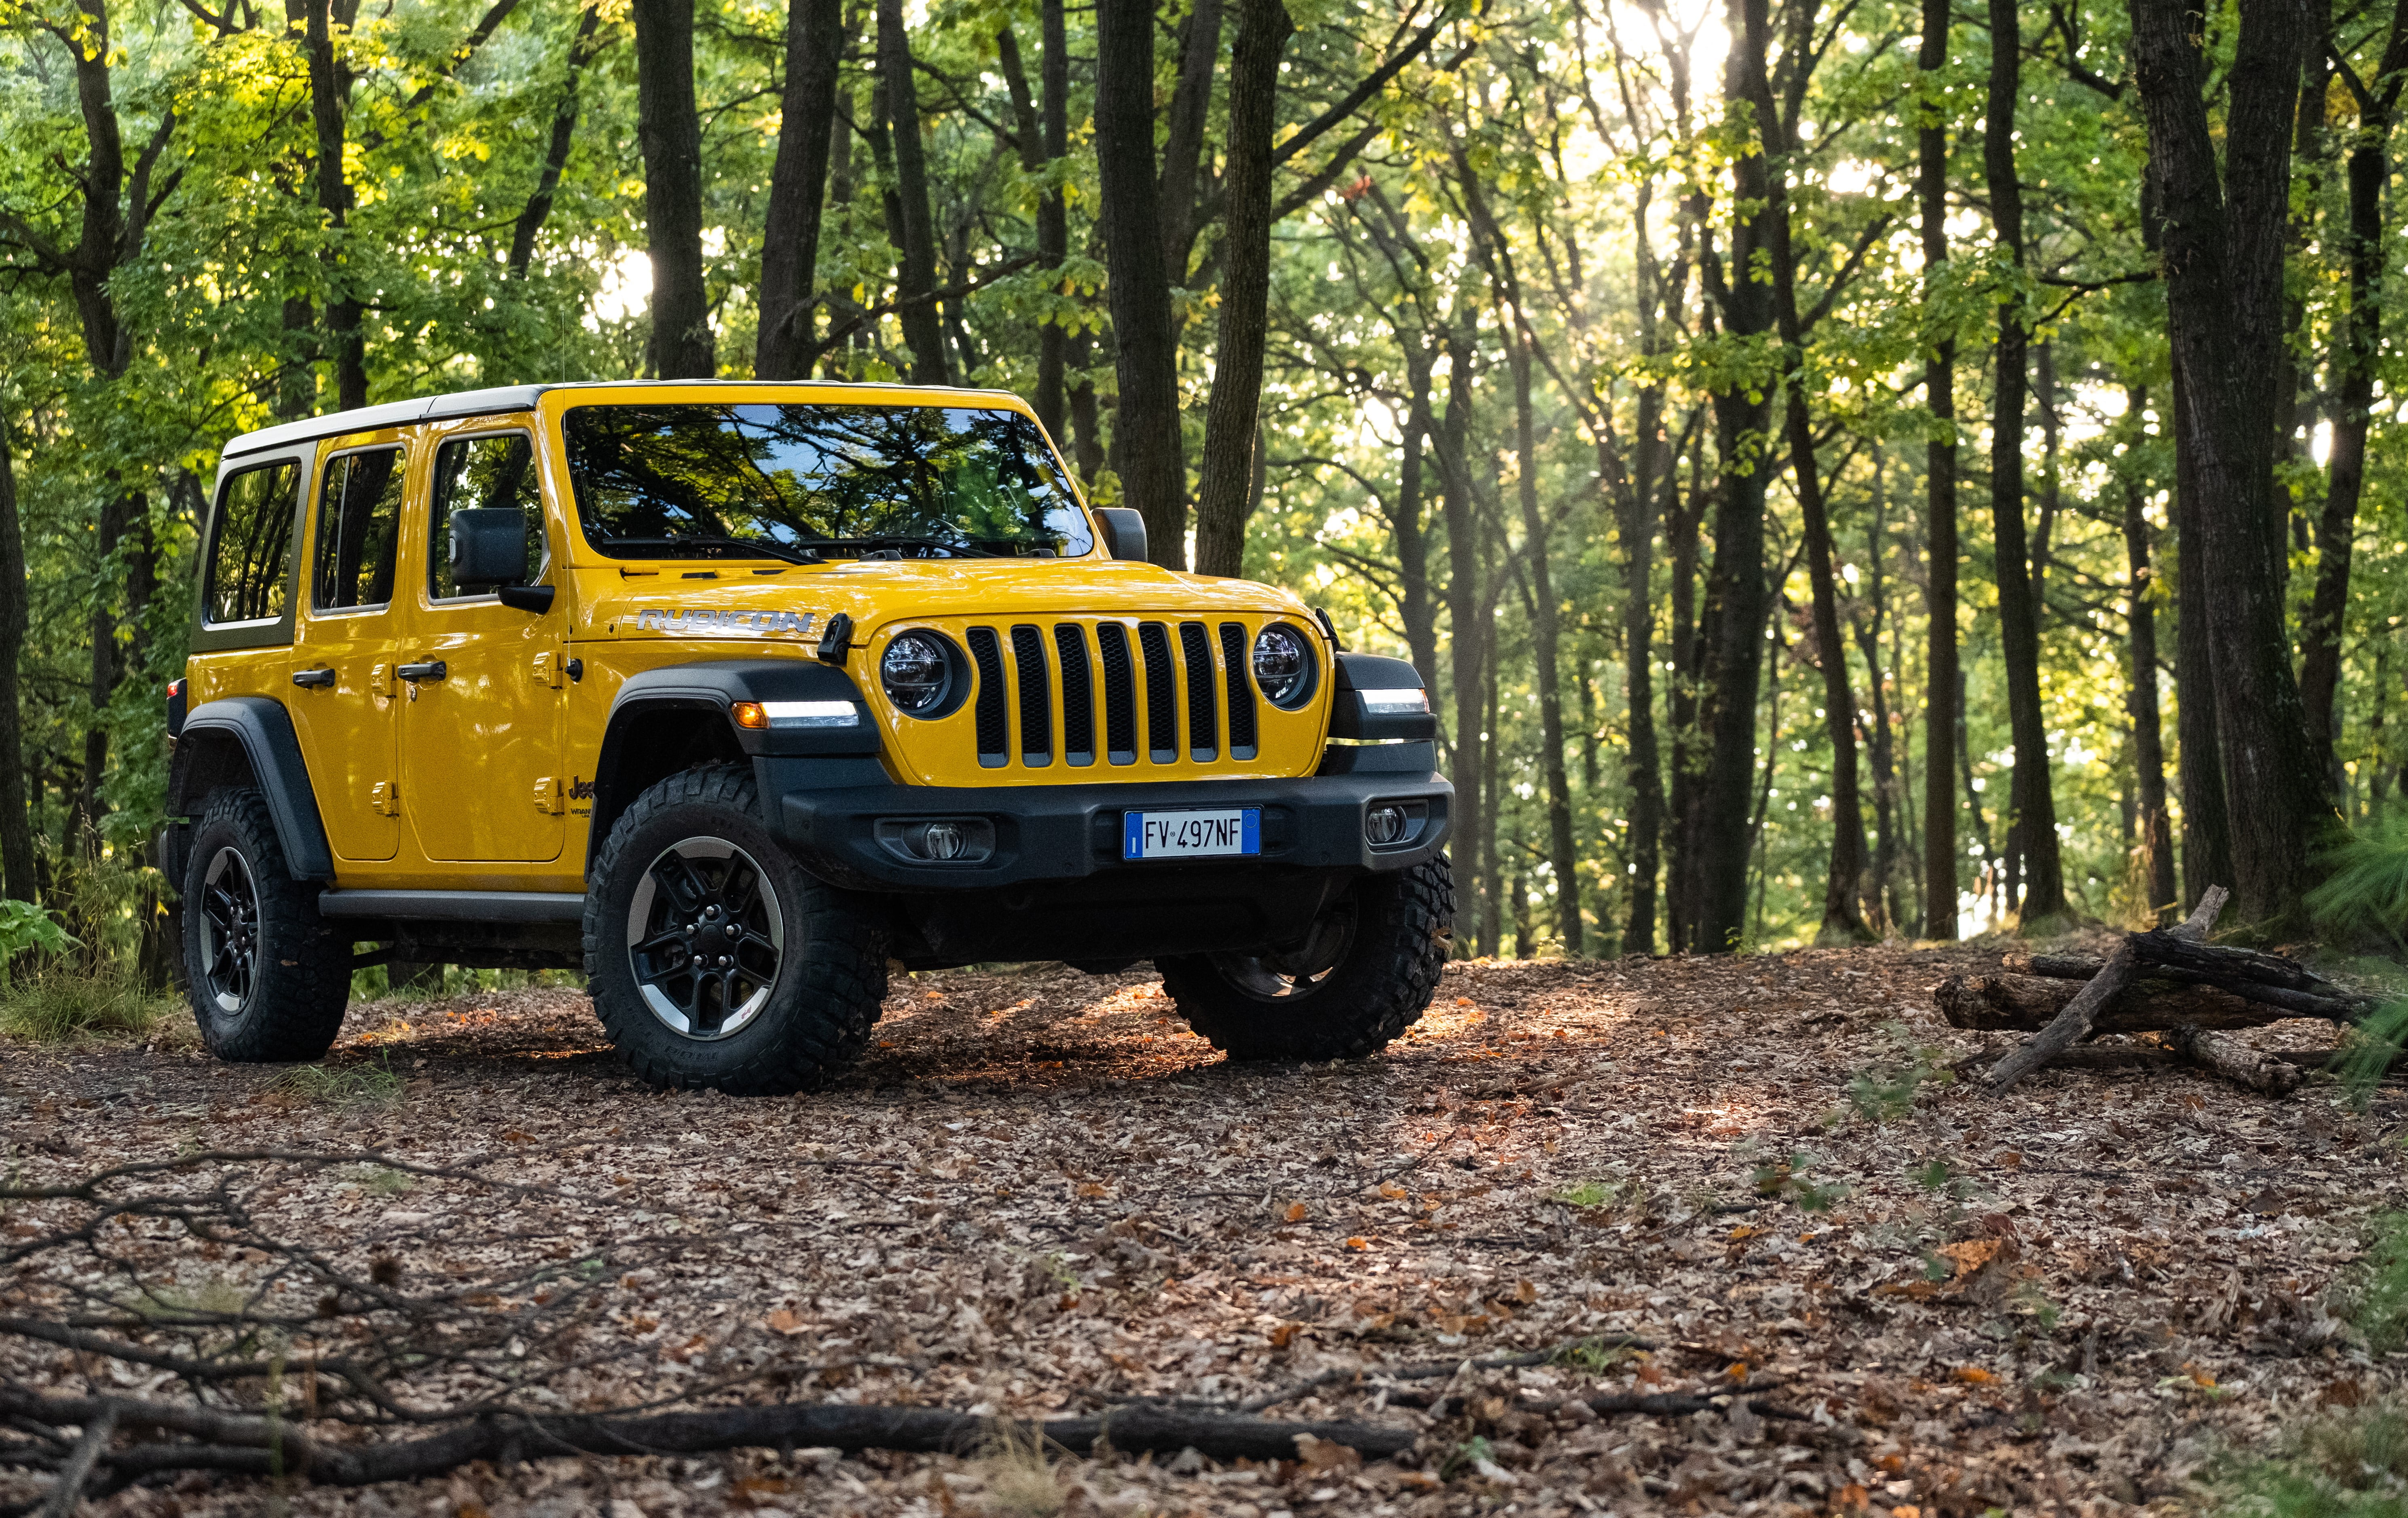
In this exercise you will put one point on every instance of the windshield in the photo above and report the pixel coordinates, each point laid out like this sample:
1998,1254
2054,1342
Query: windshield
718,480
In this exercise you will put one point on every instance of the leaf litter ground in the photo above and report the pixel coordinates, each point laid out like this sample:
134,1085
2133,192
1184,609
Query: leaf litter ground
1040,1195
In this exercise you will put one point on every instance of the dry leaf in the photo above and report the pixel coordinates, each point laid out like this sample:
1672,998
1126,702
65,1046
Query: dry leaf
1295,1213
783,1322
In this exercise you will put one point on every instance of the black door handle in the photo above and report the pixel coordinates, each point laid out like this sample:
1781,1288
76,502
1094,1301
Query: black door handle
314,677
431,669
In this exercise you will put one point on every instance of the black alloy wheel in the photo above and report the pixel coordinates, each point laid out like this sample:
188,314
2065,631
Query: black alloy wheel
706,938
229,931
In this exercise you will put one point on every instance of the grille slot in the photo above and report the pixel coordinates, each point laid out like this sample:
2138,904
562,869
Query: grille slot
1077,696
1241,691
1203,729
1120,692
1036,697
994,737
1161,694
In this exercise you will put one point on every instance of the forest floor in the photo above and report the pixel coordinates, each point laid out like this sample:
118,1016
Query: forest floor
1040,1194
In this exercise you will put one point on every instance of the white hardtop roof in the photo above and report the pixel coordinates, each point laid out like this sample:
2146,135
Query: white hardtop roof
503,398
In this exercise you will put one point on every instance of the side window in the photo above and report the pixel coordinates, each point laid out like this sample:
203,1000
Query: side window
251,545
359,522
473,473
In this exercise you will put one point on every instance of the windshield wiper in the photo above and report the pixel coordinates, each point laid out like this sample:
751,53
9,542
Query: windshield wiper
876,540
742,547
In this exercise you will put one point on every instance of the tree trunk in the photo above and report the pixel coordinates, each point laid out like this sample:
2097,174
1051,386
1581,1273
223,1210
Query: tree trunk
1843,919
2154,824
1416,605
1146,438
1688,660
1735,593
1487,888
1545,636
1466,642
1224,496
1645,774
1052,214
2224,295
1884,741
1940,857
670,136
1182,147
537,211
790,231
2207,829
17,864
328,88
2356,338
2033,817
916,281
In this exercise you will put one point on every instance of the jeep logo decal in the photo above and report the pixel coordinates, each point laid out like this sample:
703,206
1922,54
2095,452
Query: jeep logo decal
670,620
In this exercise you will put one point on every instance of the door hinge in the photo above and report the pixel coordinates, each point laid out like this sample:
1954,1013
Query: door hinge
548,797
547,670
385,797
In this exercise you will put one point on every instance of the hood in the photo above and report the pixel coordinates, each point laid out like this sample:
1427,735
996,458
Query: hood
732,602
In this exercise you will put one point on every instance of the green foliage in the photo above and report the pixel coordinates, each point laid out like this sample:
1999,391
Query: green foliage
1886,1091
2382,1288
350,1087
2365,896
59,1004
1786,1179
27,927
2353,1465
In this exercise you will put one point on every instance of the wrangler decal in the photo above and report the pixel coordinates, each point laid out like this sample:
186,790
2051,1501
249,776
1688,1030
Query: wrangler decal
653,619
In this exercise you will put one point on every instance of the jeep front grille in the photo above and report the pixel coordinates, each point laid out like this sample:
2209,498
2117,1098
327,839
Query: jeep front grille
1192,706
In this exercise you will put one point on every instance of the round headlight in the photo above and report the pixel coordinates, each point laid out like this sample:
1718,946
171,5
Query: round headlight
915,672
1283,665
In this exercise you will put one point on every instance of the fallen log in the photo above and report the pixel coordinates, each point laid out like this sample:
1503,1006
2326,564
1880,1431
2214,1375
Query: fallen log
2235,1061
1996,1003
2072,1026
2321,998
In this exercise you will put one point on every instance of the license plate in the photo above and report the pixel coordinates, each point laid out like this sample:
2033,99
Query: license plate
1192,834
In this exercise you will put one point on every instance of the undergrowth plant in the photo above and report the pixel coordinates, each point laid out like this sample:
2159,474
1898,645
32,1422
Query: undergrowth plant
1884,1092
346,1086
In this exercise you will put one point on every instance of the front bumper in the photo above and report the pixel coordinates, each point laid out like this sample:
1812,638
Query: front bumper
827,810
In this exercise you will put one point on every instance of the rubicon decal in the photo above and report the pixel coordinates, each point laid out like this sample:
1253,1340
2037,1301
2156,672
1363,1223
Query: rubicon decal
675,623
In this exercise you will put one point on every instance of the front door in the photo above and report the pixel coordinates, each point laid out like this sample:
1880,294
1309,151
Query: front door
344,681
481,730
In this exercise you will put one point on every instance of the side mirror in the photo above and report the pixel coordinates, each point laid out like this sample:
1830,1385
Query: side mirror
1124,532
489,547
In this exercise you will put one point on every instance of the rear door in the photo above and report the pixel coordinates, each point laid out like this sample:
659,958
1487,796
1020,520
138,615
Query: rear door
343,667
480,740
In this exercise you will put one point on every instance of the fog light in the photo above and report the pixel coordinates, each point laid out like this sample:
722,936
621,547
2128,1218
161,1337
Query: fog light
943,841
1384,825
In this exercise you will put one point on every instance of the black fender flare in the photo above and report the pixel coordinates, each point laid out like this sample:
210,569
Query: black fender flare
259,730
705,692
1360,672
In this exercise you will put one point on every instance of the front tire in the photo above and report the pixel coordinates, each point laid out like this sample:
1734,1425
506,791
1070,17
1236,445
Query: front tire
269,978
713,959
1363,975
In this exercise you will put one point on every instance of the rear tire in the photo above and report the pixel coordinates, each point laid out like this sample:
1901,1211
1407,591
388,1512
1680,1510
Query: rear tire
1364,977
713,959
269,978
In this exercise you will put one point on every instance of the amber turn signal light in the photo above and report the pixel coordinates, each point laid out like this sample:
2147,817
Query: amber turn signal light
749,714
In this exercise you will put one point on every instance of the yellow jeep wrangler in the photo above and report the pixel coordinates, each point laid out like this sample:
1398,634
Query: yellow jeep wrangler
727,693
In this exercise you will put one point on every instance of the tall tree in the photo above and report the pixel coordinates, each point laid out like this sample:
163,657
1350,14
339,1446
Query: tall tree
2032,825
1224,486
18,878
2356,339
1942,678
669,133
1147,448
790,232
2153,823
2225,228
916,287
1735,594
329,103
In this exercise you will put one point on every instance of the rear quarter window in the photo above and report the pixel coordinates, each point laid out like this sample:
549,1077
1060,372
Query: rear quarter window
251,545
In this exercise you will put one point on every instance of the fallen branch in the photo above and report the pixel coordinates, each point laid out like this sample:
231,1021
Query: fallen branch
2318,997
1996,1003
2235,1061
1435,1369
267,1447
2072,1024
